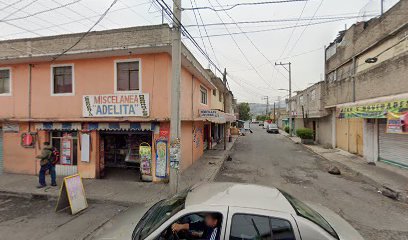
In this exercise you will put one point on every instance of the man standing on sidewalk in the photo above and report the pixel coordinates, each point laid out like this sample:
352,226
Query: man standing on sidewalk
47,162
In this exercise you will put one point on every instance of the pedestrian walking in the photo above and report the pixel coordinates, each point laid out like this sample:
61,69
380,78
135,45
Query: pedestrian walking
48,158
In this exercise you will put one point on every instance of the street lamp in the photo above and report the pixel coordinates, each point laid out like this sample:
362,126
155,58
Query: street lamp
283,89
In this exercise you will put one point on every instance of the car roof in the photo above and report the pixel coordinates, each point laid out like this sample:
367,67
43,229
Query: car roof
239,195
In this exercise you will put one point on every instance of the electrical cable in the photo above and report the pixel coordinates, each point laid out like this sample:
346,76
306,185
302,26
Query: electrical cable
87,32
199,29
10,5
39,12
18,10
301,34
230,7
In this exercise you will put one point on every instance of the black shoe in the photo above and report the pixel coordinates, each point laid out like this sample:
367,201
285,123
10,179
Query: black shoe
54,184
41,186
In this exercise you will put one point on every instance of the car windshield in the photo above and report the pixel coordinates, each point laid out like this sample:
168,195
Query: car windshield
273,125
158,214
305,211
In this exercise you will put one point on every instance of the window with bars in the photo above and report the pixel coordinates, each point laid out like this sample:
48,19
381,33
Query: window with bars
5,81
62,79
128,76
204,93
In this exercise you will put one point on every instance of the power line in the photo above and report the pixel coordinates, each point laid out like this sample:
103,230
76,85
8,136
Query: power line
170,13
271,29
87,32
230,7
209,40
275,21
291,34
10,5
39,12
78,20
301,34
18,10
240,49
199,29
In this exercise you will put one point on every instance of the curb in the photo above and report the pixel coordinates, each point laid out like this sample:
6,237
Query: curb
400,196
226,156
52,198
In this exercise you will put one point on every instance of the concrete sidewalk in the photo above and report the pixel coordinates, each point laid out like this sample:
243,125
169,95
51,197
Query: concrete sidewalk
381,174
118,191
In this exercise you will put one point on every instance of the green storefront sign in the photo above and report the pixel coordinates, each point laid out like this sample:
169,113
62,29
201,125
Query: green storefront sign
375,110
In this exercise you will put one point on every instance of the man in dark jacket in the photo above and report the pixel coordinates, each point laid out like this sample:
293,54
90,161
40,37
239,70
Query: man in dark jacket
210,227
46,162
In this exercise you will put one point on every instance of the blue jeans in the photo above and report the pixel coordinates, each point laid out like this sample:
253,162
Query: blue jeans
43,170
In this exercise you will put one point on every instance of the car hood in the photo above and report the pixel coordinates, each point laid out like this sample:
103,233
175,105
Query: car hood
122,225
343,229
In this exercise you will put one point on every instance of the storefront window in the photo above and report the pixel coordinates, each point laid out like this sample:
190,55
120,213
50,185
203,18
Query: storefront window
66,143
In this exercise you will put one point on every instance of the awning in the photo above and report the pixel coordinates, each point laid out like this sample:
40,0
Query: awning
58,126
133,126
229,117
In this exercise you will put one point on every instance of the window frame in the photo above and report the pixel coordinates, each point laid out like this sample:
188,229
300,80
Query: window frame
10,93
192,210
262,213
115,63
52,66
202,88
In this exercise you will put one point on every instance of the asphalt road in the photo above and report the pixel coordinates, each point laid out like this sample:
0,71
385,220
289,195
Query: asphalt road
22,219
274,160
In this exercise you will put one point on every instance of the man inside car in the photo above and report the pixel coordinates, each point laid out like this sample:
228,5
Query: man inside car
209,229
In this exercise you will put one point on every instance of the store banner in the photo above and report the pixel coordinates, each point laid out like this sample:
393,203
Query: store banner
397,122
116,105
161,158
215,116
374,110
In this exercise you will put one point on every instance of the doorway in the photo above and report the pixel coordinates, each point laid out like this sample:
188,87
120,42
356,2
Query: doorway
120,158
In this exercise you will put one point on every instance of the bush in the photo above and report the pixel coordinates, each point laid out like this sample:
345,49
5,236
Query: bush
287,129
305,133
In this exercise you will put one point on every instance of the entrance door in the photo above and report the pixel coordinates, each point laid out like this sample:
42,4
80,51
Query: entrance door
102,158
342,133
314,130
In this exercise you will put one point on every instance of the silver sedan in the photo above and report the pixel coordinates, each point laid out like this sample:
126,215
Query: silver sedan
247,212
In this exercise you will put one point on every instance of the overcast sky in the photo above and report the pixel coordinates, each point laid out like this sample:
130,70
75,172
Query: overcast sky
248,57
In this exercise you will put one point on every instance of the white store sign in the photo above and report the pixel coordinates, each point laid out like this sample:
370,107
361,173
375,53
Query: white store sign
116,105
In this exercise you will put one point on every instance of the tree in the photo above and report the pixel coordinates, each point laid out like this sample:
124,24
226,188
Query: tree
262,118
243,109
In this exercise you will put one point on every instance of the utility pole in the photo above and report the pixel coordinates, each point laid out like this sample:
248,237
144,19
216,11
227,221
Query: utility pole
267,105
175,123
290,92
382,7
224,80
274,113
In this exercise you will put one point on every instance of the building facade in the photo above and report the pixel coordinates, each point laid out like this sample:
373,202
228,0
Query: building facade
105,104
309,112
367,87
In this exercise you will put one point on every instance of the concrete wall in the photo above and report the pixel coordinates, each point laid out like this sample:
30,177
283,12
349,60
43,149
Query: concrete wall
324,132
95,77
365,34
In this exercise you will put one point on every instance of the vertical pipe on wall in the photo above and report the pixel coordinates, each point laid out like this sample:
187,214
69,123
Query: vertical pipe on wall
30,66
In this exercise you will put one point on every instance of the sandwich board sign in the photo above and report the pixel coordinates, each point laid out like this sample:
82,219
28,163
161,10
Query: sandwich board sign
72,194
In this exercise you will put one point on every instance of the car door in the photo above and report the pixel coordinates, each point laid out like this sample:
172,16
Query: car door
191,210
248,223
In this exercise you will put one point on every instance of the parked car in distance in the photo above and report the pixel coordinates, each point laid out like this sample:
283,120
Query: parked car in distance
272,128
245,212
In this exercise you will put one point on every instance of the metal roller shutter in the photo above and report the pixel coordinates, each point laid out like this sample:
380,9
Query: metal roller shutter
393,147
1,150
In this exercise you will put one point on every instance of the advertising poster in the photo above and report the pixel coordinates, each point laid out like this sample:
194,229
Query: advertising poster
116,105
66,150
72,194
161,158
175,154
145,153
397,123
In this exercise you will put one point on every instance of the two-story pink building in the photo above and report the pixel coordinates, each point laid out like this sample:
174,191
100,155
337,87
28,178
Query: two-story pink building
99,102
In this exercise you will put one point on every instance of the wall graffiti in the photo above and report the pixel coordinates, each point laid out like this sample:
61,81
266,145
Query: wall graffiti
197,136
